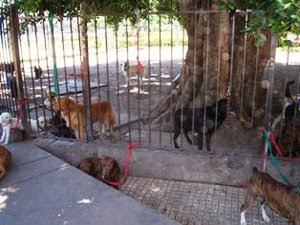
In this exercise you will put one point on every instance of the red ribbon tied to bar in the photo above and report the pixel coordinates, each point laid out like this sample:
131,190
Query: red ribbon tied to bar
127,161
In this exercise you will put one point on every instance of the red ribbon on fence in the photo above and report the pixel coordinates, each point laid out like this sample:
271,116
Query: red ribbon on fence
126,170
277,148
22,102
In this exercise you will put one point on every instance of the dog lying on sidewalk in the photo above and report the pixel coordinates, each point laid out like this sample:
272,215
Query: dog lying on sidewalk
103,169
279,197
5,159
185,116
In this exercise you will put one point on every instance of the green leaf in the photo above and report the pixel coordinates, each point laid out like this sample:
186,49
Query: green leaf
287,5
260,40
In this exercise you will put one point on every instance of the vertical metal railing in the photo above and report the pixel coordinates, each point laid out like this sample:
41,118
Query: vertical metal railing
17,64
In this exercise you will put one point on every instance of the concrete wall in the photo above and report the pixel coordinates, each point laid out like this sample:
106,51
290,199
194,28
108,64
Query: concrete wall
167,164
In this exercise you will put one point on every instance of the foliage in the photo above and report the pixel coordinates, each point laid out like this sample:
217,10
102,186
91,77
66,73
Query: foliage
115,10
281,16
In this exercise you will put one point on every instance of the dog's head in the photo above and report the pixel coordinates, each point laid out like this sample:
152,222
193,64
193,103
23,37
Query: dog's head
5,118
49,97
110,169
63,104
44,122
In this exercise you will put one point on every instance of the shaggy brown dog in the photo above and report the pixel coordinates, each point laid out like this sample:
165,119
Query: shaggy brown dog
280,198
71,111
5,158
103,169
92,166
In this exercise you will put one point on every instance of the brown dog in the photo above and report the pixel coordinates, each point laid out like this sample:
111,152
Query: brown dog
103,169
280,198
5,158
71,111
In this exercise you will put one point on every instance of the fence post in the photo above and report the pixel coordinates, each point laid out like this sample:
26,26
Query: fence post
14,19
86,77
270,91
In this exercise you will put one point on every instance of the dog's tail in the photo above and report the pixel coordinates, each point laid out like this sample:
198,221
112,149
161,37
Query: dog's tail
287,90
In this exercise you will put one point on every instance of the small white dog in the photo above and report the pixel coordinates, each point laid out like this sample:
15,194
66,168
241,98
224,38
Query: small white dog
40,124
8,122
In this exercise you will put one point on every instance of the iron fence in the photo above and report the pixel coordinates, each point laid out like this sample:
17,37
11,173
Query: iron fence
56,58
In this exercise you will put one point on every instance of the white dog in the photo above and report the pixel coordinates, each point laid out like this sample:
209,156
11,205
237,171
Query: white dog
40,124
8,122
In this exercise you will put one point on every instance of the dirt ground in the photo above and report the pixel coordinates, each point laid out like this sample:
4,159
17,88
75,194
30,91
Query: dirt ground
136,100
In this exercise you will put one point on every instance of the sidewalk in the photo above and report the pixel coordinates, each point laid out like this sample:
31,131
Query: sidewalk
41,189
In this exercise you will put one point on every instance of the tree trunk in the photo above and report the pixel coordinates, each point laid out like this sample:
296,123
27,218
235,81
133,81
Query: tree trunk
215,62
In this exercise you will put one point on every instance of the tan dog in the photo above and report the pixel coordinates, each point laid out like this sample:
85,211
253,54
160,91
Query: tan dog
71,111
103,169
5,159
132,70
280,198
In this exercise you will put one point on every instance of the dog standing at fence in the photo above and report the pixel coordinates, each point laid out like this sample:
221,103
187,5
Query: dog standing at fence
279,197
74,114
185,118
8,122
133,70
289,105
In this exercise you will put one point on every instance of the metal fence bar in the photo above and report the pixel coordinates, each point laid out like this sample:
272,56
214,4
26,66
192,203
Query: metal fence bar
128,86
16,56
269,96
74,69
8,70
118,84
26,95
244,66
205,72
149,83
86,88
171,77
160,74
39,76
107,65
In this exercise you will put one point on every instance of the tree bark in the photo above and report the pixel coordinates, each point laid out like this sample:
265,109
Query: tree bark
215,62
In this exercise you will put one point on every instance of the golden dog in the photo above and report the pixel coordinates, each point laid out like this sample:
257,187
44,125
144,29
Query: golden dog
5,158
74,115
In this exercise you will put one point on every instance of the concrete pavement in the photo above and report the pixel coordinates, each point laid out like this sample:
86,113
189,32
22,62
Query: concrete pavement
41,189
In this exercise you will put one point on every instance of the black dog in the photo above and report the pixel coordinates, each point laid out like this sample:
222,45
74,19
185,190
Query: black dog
290,109
59,127
216,111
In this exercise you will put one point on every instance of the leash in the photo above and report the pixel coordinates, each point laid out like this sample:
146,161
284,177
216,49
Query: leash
269,137
127,161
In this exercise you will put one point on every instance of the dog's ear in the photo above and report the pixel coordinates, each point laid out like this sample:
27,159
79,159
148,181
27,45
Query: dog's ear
116,170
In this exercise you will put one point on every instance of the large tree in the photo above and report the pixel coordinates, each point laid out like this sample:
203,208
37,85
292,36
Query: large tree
219,55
